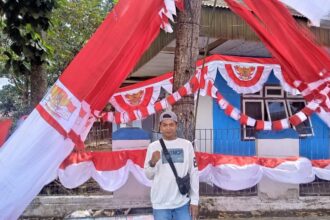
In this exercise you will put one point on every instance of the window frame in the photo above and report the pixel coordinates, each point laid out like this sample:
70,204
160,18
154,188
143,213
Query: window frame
273,96
308,118
252,95
245,137
276,100
262,97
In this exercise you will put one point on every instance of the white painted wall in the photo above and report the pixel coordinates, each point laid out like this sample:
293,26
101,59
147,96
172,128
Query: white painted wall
204,125
269,189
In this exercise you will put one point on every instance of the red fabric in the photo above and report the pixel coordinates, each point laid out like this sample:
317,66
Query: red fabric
300,57
240,82
5,125
320,163
158,107
179,4
170,99
219,96
112,52
277,125
243,120
148,92
260,125
229,109
182,91
295,120
107,161
307,111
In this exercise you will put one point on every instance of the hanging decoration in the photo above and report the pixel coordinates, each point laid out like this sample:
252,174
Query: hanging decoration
134,97
111,169
246,75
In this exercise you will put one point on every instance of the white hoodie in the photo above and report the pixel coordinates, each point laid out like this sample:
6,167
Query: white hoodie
165,193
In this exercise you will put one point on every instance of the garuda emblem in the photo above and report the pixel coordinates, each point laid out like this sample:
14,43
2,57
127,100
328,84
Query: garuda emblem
134,98
244,73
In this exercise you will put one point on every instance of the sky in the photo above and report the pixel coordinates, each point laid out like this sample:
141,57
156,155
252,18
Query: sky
3,81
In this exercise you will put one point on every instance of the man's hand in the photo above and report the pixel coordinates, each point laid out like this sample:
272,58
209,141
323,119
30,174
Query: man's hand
154,158
194,209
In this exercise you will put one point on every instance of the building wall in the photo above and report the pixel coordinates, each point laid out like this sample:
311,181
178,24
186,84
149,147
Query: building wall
227,135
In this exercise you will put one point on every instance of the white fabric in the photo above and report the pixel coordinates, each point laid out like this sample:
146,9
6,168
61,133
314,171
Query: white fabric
164,190
322,173
226,176
314,10
76,174
286,87
294,172
245,90
267,125
28,149
301,116
235,114
285,123
233,177
251,121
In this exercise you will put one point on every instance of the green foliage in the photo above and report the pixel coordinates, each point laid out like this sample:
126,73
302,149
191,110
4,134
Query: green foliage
11,102
24,22
73,23
42,31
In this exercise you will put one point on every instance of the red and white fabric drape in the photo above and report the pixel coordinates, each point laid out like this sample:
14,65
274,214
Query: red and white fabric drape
111,169
32,155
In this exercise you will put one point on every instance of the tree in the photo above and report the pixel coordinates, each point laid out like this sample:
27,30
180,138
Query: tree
71,24
186,53
67,36
25,23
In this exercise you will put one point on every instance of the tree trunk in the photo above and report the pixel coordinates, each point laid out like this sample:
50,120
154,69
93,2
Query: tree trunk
186,53
38,84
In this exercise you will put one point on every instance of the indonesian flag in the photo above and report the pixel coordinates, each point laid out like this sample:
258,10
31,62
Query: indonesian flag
31,157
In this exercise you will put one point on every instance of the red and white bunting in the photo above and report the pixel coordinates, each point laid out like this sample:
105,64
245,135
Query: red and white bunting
281,124
297,118
246,120
111,169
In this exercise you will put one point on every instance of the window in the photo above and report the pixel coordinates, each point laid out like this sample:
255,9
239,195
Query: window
254,109
276,109
272,104
305,128
274,92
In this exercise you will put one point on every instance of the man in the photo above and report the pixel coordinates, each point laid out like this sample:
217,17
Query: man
167,201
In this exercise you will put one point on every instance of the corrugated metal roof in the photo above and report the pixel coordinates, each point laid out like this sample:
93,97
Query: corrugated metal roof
223,4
